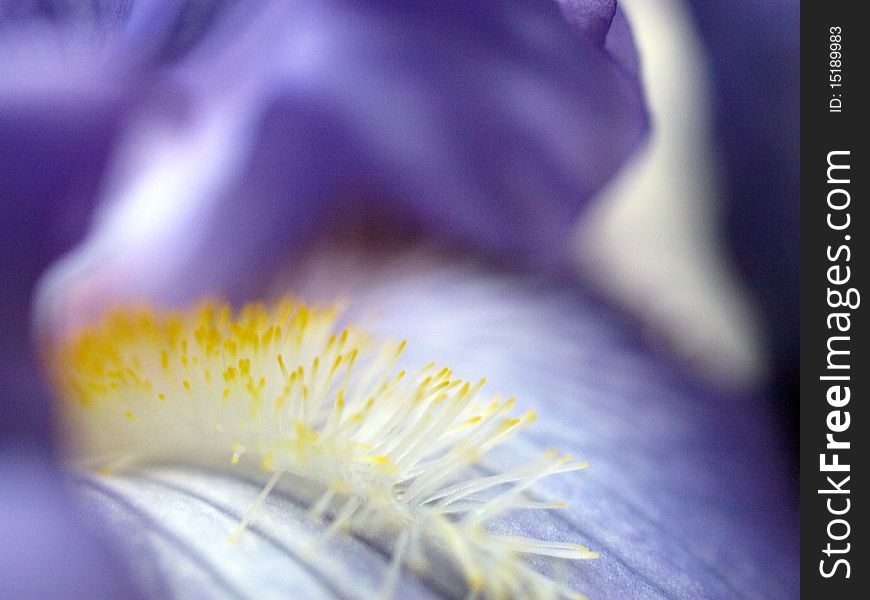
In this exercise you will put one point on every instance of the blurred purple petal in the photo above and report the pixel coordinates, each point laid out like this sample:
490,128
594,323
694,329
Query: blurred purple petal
56,132
754,49
483,125
590,16
57,126
48,549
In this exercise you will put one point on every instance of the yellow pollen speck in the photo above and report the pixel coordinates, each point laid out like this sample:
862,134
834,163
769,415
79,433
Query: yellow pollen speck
476,581
380,460
267,462
510,423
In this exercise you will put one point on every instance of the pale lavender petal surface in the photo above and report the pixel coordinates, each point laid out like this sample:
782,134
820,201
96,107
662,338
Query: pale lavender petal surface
684,498
689,493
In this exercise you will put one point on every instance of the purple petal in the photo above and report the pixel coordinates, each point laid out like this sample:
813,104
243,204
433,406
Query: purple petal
688,493
685,496
758,115
49,550
57,127
176,520
487,126
54,142
593,17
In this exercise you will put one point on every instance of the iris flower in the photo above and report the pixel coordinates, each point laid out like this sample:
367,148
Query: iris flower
229,148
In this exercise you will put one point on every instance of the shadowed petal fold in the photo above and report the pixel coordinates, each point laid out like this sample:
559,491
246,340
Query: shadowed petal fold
486,126
754,50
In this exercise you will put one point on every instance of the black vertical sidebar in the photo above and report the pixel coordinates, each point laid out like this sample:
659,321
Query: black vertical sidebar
835,367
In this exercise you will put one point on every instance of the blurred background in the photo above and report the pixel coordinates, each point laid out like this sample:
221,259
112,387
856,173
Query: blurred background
699,235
